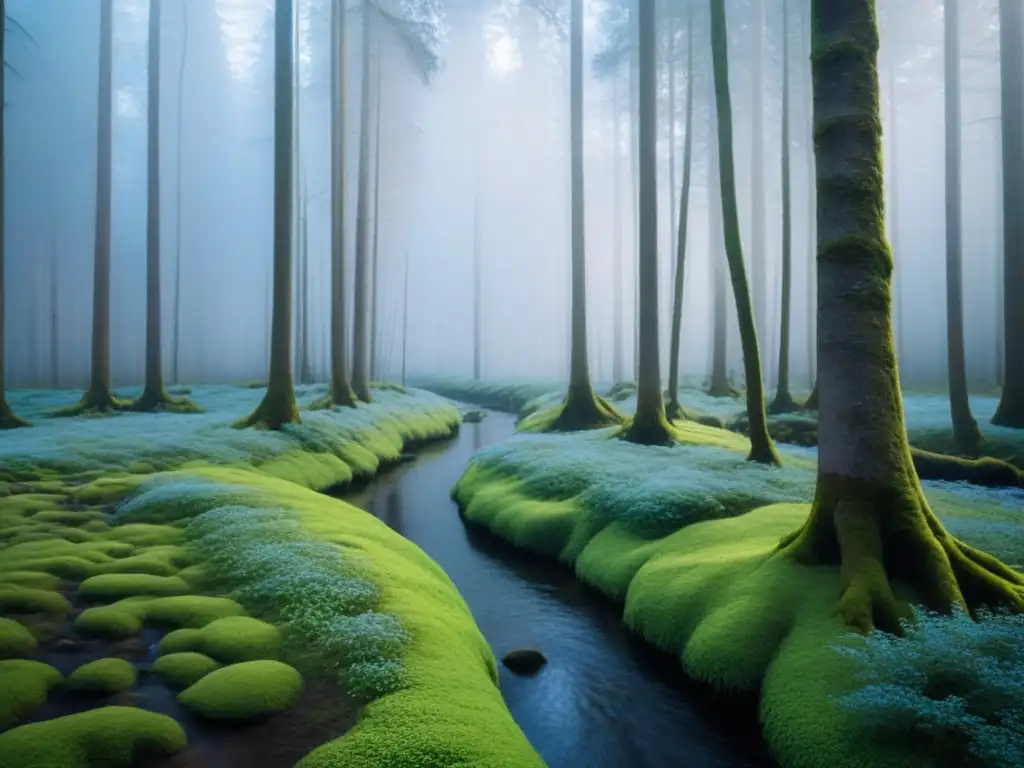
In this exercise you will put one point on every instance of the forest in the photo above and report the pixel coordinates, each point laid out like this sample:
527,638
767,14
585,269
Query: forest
511,383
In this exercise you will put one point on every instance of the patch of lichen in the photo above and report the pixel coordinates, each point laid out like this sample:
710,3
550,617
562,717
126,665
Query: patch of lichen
246,691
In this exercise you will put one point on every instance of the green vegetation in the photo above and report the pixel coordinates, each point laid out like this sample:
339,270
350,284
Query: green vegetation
185,668
127,617
24,686
117,585
245,691
15,640
229,640
103,676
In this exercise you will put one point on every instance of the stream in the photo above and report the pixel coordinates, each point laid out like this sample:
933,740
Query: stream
605,698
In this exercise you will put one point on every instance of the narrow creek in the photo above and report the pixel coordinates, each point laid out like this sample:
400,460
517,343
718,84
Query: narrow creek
605,698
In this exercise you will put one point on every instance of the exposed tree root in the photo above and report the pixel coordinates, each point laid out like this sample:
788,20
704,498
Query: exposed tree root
722,389
328,402
654,430
582,410
986,471
97,401
8,419
783,403
877,535
153,399
674,411
811,404
621,390
277,409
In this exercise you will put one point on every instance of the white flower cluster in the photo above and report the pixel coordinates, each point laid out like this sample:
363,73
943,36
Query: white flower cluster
957,684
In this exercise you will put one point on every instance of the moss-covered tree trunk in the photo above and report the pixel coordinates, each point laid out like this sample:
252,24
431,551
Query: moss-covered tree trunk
176,338
8,420
341,393
783,401
1010,412
869,513
719,385
674,409
582,409
361,320
278,406
761,447
965,429
649,425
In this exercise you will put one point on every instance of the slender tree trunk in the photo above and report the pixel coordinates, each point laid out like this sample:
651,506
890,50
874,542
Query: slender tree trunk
581,409
7,418
675,411
619,351
761,447
650,425
719,386
1000,315
177,193
812,211
477,270
278,407
965,429
360,352
869,514
54,309
1010,412
405,317
758,224
634,162
894,186
374,279
341,389
306,369
783,399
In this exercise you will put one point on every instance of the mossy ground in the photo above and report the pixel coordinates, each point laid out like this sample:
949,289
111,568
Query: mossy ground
103,676
245,691
109,520
686,538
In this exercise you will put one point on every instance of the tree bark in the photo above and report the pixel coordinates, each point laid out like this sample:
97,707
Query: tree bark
869,513
649,425
758,225
375,272
278,406
54,309
675,410
719,386
618,351
8,420
812,234
966,434
361,329
761,447
894,186
783,401
175,355
1010,412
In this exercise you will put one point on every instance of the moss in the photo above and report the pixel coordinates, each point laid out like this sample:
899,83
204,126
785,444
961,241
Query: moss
108,489
67,517
156,561
581,409
185,668
230,640
146,534
18,599
110,737
113,586
35,579
103,676
15,640
179,641
245,691
24,686
158,399
127,616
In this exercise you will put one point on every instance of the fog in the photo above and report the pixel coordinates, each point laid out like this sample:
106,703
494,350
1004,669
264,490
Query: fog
472,155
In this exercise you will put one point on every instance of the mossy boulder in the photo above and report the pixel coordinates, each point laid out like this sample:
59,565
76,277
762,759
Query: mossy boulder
126,617
110,737
246,691
114,586
15,598
229,640
24,686
524,661
15,640
34,579
184,669
103,676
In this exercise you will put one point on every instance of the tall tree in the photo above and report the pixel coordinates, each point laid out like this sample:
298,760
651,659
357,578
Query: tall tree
341,393
8,420
98,397
761,447
758,223
375,335
674,409
1010,412
618,351
719,385
154,396
783,401
278,406
175,354
361,320
869,514
965,429
649,425
582,408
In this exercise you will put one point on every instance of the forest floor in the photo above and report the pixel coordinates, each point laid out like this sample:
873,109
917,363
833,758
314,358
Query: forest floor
175,592
683,536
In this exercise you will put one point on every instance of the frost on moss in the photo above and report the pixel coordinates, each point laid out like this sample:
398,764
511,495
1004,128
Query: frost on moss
103,676
110,737
245,691
24,686
957,684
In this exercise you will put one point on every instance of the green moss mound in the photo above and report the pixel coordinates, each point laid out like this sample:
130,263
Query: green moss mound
103,676
114,586
229,640
126,617
110,737
185,668
24,686
19,599
246,691
15,640
34,579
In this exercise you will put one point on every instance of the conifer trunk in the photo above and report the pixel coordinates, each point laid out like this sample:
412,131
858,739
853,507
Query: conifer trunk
361,321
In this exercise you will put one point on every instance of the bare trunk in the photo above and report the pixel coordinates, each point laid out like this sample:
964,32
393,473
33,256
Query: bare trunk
305,370
1010,412
758,224
374,279
812,233
405,317
761,447
619,351
719,386
278,406
1000,318
54,309
361,330
177,192
634,164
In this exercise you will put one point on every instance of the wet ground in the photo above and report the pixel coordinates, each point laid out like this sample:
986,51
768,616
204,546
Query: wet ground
605,698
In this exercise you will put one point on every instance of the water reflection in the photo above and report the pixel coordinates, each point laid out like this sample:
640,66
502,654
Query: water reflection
605,698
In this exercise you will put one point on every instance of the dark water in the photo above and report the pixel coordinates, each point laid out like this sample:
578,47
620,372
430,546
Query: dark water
605,698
